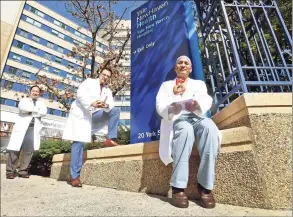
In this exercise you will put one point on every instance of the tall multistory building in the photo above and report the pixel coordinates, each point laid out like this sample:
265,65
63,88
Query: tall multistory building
34,37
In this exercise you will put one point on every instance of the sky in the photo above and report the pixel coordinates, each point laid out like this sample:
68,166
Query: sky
59,7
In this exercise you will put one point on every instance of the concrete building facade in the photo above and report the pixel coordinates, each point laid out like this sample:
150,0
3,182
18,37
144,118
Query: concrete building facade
34,37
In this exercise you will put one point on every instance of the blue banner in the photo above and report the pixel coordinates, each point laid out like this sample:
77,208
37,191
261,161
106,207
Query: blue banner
161,31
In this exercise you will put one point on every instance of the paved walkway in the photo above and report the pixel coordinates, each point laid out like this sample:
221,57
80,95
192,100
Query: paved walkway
38,196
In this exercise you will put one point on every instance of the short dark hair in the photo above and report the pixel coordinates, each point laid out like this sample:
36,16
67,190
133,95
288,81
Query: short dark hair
35,86
108,69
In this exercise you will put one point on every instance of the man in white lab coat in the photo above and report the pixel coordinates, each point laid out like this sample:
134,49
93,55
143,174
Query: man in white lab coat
90,112
25,134
183,124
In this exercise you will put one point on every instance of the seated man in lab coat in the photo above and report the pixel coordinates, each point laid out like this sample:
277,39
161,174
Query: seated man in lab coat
183,124
90,112
25,134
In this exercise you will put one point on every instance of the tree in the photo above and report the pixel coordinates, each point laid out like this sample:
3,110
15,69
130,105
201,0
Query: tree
99,18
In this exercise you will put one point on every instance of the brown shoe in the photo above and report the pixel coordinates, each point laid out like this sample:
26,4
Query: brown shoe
110,143
23,175
207,199
10,176
180,200
76,182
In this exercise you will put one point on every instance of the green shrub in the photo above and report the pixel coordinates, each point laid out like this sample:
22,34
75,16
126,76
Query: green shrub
42,159
123,136
93,145
51,147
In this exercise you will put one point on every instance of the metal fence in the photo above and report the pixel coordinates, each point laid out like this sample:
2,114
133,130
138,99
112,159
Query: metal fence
246,47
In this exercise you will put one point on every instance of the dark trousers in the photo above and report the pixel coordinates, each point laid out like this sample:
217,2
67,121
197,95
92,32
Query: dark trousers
27,153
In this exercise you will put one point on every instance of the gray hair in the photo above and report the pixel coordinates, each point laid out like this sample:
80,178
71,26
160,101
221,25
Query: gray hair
184,57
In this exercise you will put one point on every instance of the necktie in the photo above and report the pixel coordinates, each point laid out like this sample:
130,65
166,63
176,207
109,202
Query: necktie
33,119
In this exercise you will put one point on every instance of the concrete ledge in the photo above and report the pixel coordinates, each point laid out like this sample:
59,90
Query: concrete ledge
3,158
253,103
269,115
138,168
237,139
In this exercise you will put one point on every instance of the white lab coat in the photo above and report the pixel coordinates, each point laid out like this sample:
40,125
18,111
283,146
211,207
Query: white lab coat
22,123
79,123
195,89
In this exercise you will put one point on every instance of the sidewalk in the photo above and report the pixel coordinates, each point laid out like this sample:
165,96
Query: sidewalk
38,196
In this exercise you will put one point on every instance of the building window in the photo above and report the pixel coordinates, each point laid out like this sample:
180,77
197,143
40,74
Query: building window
7,84
79,79
70,76
127,98
32,50
58,60
60,86
60,24
45,67
19,44
12,70
36,38
19,87
60,35
37,24
57,22
60,49
73,77
125,122
23,33
55,71
76,42
125,108
29,62
50,45
70,65
25,74
122,98
33,77
50,111
77,33
16,57
63,74
29,20
57,112
10,102
47,56
2,101
54,32
37,12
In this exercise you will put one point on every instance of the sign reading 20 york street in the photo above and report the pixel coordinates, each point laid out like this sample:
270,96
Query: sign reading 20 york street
158,37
